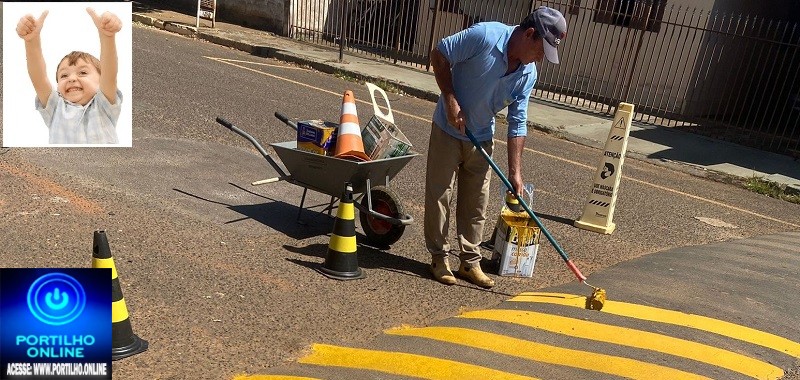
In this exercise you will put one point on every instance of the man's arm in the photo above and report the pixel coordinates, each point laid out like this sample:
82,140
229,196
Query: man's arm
515,147
29,29
444,78
107,25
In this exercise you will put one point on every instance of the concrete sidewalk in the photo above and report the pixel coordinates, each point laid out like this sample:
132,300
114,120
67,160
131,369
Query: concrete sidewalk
661,145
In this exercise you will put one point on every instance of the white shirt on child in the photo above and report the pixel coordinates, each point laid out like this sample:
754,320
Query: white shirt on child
72,123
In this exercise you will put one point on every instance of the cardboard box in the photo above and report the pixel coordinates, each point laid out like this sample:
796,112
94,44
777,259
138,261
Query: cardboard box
317,136
516,244
382,139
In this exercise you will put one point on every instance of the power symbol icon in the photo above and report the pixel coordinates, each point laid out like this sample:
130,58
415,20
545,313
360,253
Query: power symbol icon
48,299
56,298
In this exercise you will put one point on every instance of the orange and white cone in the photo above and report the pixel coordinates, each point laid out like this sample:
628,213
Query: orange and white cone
349,144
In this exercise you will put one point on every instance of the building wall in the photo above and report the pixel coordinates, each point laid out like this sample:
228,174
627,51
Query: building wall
308,16
269,15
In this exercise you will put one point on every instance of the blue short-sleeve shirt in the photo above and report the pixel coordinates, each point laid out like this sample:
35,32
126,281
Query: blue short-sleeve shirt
478,63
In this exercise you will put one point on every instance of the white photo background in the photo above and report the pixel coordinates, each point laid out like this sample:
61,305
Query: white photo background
67,27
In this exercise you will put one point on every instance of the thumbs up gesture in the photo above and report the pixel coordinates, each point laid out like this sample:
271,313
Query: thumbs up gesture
107,23
29,28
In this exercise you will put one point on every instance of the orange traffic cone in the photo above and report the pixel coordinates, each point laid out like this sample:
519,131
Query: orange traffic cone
341,263
124,342
348,142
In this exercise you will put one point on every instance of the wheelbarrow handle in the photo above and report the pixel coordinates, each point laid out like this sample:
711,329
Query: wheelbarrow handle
286,120
229,125
225,123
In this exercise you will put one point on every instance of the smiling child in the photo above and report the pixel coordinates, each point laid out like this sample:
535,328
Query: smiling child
85,105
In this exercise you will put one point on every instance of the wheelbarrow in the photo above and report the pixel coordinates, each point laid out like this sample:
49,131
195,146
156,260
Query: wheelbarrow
381,212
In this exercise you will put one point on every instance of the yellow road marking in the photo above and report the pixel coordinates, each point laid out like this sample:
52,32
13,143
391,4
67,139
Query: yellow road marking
257,63
613,365
633,338
272,377
678,318
427,120
404,364
229,62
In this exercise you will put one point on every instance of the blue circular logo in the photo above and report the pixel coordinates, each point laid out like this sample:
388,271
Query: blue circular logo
56,299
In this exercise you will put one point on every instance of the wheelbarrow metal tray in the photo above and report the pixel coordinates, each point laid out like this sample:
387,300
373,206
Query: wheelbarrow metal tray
328,174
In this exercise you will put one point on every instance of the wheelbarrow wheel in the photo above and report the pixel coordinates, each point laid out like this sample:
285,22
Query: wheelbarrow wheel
380,232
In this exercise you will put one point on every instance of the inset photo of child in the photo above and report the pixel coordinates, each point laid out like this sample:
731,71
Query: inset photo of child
67,74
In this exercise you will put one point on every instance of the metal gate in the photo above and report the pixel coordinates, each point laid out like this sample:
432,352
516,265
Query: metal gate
729,76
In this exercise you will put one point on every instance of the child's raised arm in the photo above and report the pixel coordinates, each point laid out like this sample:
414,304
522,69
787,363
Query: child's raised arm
108,24
29,29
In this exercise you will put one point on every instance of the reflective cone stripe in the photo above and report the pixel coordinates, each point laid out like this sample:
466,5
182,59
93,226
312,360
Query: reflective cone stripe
341,261
124,342
105,263
348,122
119,311
343,237
349,144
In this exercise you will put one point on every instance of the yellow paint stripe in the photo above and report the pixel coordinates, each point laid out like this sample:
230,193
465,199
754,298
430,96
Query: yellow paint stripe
229,62
649,313
343,244
260,64
272,377
633,338
404,364
105,263
612,365
428,119
119,311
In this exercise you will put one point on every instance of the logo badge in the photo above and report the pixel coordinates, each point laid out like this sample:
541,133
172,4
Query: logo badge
56,299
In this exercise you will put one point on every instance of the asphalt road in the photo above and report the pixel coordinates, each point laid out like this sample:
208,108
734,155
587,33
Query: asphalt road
220,278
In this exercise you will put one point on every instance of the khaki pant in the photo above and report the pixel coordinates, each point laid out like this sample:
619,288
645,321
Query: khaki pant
452,161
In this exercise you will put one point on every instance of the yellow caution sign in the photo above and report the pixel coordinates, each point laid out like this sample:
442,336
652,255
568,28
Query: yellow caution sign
599,210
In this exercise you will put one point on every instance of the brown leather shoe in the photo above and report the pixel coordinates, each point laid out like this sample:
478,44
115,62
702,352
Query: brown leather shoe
440,269
475,275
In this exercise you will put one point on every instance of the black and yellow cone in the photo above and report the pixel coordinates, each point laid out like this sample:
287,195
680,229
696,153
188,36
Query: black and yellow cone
124,342
341,263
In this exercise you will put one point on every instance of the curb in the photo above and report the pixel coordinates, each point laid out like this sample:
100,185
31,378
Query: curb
181,29
271,52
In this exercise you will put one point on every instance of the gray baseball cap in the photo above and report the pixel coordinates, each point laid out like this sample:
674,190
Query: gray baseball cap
551,25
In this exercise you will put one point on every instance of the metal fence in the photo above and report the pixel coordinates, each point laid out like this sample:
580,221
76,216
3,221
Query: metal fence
728,76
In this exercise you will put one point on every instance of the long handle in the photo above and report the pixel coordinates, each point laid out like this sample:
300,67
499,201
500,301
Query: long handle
229,125
510,188
286,120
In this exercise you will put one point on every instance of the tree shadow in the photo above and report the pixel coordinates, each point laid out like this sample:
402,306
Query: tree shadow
705,151
155,7
555,218
278,215
368,257
374,258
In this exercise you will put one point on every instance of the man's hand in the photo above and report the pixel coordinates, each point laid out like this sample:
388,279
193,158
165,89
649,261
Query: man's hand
515,147
107,24
455,116
29,28
516,182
